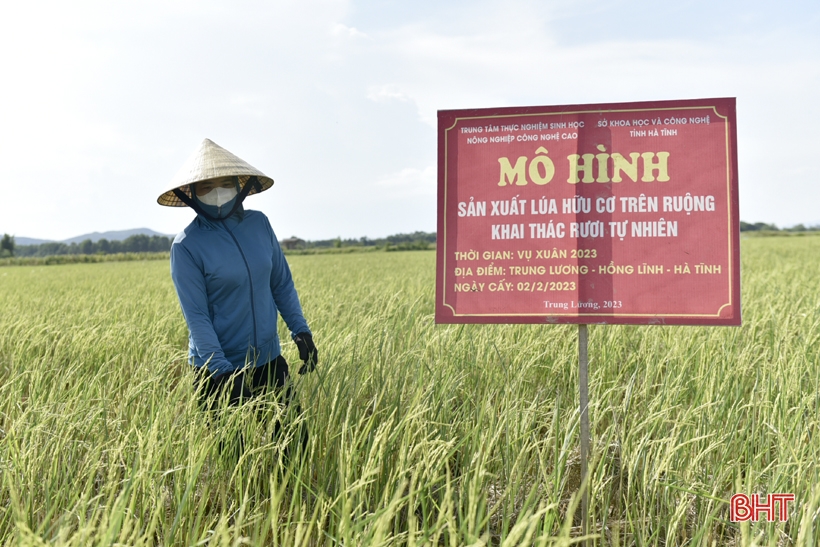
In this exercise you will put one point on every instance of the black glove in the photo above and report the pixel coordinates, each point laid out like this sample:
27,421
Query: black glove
307,352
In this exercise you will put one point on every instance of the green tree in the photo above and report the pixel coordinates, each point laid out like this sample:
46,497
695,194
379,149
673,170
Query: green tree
138,243
7,245
52,248
87,247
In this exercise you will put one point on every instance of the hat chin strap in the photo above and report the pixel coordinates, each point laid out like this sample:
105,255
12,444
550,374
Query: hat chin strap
253,182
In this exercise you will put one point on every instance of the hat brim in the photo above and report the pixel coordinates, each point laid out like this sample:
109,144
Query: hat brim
169,198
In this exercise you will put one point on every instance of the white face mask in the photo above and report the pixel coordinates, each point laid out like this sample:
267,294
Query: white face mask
218,196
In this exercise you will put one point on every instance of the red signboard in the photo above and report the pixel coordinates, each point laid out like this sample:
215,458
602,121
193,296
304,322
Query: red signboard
608,213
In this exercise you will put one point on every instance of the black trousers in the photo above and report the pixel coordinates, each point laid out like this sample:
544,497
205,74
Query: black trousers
245,385
248,384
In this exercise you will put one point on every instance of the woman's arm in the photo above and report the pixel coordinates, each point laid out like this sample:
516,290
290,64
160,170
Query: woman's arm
189,282
284,292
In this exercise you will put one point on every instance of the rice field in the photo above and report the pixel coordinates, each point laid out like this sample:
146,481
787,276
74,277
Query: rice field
418,434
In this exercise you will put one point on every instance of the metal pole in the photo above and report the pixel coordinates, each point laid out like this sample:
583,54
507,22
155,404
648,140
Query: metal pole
583,380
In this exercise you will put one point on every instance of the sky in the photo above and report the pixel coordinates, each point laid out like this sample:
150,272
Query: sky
102,102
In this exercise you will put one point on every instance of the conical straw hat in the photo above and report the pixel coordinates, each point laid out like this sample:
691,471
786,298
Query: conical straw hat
209,162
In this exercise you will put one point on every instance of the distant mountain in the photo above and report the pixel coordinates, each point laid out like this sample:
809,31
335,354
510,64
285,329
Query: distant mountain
29,241
114,236
117,235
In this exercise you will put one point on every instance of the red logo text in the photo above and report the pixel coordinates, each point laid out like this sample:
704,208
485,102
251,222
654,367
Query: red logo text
743,507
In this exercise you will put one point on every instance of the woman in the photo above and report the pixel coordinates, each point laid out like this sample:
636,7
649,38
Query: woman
232,279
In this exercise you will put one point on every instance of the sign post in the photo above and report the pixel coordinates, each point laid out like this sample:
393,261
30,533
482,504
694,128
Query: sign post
583,383
620,213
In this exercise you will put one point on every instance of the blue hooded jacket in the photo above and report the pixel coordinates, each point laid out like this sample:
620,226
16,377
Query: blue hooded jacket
232,280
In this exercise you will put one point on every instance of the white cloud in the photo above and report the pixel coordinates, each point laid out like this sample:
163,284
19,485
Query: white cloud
339,29
411,181
253,104
385,93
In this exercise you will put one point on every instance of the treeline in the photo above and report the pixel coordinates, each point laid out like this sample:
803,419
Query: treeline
160,244
133,244
763,227
419,240
398,239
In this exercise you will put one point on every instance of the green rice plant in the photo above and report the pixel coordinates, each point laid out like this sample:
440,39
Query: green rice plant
419,434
